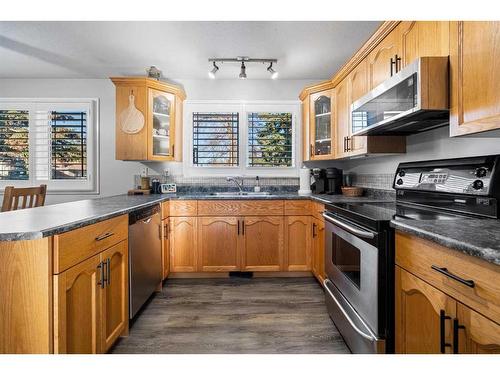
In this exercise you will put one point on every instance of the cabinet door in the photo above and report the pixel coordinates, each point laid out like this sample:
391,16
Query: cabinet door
318,248
342,118
77,308
165,248
379,60
161,125
475,77
475,334
424,38
424,316
321,141
298,243
183,244
218,244
358,86
262,243
115,294
306,132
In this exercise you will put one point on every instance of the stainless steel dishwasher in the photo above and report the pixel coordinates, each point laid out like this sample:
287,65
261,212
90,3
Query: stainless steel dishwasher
144,249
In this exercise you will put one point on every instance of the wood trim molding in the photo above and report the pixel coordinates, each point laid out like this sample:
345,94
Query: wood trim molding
152,83
317,87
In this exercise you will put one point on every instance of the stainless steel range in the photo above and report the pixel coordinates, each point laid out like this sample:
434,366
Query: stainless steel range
359,242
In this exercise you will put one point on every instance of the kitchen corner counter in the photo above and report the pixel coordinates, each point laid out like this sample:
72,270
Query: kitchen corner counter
476,237
39,222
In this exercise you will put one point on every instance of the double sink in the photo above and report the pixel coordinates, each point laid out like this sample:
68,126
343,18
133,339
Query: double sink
241,194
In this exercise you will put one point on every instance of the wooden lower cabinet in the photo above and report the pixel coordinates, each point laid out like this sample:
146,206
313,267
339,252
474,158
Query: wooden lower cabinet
318,249
475,334
183,244
218,244
78,297
424,316
115,294
298,243
165,248
263,243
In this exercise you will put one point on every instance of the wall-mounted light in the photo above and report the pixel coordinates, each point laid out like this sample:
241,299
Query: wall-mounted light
243,71
274,73
243,60
214,70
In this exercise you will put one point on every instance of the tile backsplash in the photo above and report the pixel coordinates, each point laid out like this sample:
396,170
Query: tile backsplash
382,181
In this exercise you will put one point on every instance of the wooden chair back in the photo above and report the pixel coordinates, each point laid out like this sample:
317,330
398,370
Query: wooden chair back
18,198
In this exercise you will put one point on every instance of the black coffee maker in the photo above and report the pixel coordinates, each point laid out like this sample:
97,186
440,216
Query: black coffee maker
319,185
334,179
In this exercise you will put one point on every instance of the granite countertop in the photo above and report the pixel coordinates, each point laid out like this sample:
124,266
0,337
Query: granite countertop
39,222
477,237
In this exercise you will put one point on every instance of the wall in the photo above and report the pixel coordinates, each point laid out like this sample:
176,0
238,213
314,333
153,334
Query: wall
377,171
116,177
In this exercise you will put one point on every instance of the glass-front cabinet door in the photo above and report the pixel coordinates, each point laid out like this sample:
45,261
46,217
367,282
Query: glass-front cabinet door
161,122
321,125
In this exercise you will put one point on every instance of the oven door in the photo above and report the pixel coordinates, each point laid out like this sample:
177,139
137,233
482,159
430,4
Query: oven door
352,265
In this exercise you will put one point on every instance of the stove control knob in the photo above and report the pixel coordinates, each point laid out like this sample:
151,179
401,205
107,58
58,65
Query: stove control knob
399,181
477,185
481,172
401,173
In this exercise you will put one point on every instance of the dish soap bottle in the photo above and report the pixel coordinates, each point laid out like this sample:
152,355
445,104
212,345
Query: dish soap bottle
256,188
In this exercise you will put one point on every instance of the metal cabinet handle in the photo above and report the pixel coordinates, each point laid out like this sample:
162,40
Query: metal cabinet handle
442,319
108,273
349,228
370,337
311,153
103,236
444,271
314,230
242,227
238,227
456,327
100,282
166,231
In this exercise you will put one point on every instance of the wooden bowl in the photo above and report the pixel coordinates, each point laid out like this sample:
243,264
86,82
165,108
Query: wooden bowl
352,191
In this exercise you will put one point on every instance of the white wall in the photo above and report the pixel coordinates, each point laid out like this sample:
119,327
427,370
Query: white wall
116,177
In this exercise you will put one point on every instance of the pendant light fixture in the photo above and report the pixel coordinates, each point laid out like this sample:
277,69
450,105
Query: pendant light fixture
243,60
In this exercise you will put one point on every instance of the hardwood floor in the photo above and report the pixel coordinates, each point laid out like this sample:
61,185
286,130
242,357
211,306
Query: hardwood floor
286,315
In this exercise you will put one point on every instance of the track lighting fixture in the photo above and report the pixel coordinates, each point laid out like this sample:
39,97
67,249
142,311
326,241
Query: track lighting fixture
243,74
214,70
243,60
274,73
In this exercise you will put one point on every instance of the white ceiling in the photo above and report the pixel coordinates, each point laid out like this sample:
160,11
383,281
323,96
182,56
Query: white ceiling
305,50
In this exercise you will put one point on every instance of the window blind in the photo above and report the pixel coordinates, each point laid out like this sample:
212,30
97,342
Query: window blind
215,139
270,141
14,144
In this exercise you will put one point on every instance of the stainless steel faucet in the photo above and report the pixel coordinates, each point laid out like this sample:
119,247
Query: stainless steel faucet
237,182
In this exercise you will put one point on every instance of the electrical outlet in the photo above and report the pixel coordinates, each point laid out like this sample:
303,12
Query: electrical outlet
144,171
166,172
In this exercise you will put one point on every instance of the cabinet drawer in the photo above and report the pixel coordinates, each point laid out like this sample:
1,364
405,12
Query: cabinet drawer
418,256
72,247
298,207
240,207
183,208
317,210
165,209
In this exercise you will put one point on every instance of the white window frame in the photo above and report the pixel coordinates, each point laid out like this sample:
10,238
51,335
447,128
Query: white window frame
89,186
243,108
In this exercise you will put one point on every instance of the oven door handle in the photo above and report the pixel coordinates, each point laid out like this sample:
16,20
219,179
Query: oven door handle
349,228
370,337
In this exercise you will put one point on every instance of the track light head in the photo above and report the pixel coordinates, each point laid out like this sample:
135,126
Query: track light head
214,70
243,74
274,73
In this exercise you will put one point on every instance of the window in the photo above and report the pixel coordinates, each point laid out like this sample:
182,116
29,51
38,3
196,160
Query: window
215,139
49,142
270,139
245,139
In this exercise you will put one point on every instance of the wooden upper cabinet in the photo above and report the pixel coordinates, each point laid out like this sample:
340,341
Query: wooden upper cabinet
183,244
321,131
77,305
342,125
263,243
159,104
423,38
115,294
474,333
218,247
381,60
424,316
475,77
298,243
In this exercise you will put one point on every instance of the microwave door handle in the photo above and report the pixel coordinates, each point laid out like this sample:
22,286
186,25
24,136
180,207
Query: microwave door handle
370,338
349,228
